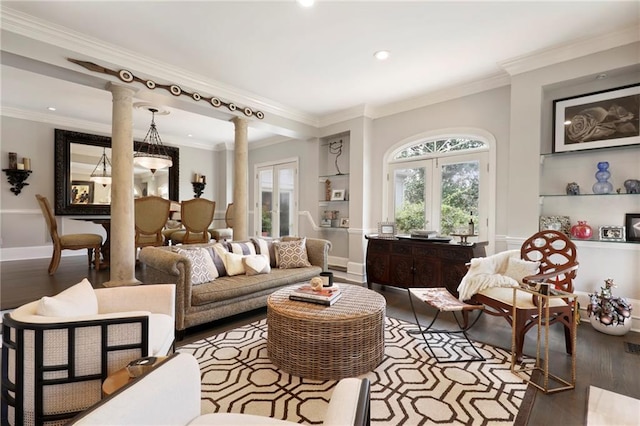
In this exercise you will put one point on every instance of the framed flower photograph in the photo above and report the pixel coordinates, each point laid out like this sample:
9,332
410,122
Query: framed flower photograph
344,222
597,120
632,222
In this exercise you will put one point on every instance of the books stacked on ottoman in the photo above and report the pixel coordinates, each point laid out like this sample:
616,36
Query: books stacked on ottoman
324,296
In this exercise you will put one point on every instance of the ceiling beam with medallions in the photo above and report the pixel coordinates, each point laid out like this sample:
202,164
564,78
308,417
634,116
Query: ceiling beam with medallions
128,77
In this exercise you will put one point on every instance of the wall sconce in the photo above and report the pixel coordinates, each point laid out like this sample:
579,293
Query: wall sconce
199,182
17,173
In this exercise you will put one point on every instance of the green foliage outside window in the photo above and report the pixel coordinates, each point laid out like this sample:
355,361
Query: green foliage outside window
460,192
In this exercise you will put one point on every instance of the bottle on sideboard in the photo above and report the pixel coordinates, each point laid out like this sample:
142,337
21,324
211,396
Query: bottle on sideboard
472,227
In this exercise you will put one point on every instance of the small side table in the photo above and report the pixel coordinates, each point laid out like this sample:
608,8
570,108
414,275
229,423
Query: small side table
121,377
540,371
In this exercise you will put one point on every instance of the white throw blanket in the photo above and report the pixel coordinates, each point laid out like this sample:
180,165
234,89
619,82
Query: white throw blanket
487,272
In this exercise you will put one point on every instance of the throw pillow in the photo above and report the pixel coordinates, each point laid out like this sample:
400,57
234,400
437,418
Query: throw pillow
518,269
233,264
245,248
202,268
79,300
256,264
292,254
267,248
217,252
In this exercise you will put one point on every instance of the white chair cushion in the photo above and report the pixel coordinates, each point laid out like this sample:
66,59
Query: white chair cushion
524,300
75,301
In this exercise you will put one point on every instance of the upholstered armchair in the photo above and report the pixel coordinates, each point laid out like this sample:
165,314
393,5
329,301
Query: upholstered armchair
57,351
170,395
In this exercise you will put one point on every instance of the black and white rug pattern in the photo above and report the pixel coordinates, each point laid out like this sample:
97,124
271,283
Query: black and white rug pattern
407,388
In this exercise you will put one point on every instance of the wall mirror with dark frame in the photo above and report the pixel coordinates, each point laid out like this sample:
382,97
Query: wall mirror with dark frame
76,157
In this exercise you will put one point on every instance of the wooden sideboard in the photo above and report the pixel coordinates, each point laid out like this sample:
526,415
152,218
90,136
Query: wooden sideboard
412,262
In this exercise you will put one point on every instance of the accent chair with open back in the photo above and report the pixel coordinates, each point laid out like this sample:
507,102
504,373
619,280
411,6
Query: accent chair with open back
558,268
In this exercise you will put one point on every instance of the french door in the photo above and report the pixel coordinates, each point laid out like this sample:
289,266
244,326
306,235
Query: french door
441,193
277,199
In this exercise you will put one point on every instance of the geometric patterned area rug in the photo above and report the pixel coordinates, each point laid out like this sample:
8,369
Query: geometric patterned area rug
407,388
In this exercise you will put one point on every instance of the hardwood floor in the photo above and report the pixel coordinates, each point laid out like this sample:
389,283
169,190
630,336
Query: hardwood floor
601,359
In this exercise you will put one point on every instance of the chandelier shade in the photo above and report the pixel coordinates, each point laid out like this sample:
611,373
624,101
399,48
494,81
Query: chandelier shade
152,153
100,174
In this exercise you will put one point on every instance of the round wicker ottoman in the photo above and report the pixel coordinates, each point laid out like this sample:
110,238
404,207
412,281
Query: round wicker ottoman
326,342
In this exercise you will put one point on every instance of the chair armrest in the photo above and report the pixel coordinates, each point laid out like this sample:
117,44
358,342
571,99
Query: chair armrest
155,298
169,394
350,403
539,278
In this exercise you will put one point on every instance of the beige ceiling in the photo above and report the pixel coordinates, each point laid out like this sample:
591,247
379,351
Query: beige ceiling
302,67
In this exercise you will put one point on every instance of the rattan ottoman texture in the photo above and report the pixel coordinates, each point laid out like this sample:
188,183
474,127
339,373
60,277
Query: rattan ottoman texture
326,342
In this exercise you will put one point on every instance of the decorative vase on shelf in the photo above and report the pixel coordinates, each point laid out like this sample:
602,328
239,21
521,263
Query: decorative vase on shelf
581,231
603,186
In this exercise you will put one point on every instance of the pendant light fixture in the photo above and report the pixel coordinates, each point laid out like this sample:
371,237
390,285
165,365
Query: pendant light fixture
152,154
102,176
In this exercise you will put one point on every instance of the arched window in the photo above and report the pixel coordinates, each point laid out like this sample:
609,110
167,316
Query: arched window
441,184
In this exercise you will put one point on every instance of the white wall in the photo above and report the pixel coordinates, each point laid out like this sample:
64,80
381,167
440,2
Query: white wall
23,232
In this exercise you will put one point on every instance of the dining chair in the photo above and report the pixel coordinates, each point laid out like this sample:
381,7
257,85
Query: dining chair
151,215
224,234
91,242
196,216
228,216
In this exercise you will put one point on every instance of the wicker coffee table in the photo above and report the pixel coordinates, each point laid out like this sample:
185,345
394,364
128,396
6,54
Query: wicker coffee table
326,342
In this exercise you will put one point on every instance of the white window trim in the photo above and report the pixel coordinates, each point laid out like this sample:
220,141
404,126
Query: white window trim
446,133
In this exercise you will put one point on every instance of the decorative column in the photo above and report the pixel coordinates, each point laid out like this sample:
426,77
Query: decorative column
123,255
240,180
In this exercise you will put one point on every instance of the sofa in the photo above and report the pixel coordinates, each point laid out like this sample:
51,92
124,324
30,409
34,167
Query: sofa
230,290
169,395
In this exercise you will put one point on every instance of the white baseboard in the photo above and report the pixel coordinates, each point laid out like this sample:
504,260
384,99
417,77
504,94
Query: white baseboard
35,252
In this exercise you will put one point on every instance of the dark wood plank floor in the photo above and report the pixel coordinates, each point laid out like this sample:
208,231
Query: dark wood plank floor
601,359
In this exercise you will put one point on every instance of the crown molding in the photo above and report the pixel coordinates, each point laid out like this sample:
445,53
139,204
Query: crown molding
90,126
345,114
454,92
62,37
566,52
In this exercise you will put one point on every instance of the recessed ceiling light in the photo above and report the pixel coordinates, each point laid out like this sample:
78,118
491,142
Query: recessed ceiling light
305,3
190,135
51,108
381,55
